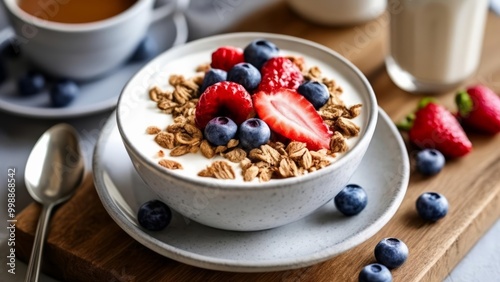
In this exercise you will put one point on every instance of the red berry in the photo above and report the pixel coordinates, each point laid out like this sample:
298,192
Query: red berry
435,127
224,98
226,57
290,114
280,72
270,83
479,109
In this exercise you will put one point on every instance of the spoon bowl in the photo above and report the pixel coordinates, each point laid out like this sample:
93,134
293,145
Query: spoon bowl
54,171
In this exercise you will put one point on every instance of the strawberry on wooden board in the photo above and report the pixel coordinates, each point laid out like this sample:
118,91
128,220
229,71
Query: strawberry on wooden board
479,109
434,127
292,116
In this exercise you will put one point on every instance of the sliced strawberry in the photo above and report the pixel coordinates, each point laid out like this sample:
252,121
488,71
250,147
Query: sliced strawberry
224,98
226,57
280,72
292,116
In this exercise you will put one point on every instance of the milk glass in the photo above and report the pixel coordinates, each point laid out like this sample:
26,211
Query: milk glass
434,44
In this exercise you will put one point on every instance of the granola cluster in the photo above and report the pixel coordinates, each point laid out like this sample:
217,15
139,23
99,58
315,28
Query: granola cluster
269,161
277,160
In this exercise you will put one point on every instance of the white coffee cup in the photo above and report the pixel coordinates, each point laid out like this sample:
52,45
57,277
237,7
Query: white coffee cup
338,12
87,50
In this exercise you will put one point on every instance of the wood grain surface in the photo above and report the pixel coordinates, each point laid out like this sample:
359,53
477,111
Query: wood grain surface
84,243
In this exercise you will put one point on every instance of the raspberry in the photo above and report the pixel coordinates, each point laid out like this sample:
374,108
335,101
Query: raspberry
224,98
226,57
280,72
270,83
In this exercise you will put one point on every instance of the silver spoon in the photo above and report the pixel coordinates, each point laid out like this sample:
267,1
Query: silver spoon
54,170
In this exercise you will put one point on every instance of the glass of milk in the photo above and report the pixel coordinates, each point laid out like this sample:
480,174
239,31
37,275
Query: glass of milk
338,12
434,44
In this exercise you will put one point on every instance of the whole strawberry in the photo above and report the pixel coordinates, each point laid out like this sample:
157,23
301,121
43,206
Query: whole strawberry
433,126
479,109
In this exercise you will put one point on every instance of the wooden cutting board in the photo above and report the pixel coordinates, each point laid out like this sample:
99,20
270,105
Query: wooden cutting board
84,244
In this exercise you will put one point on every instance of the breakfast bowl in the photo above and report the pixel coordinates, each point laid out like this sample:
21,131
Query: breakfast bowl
235,204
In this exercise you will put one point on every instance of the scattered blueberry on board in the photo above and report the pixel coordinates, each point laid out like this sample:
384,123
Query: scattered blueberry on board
432,206
315,92
154,215
259,51
375,272
211,77
31,83
351,200
11,50
429,161
245,74
147,49
63,92
391,252
253,133
220,130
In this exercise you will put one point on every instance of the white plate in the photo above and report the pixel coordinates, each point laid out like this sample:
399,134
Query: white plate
95,96
384,173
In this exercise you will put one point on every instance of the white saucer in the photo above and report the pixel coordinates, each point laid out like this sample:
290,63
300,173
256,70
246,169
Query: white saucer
384,173
95,96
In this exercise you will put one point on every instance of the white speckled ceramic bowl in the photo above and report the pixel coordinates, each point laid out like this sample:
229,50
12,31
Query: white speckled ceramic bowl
234,204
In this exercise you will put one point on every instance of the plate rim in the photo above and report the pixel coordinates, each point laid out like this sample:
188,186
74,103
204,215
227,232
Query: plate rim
211,263
181,36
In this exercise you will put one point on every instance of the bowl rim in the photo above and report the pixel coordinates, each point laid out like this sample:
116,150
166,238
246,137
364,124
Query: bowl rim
208,183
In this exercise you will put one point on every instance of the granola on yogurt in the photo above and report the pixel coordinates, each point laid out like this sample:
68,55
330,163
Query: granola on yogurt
280,156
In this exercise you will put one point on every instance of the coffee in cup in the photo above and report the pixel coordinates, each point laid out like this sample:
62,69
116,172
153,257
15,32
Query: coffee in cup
75,11
86,50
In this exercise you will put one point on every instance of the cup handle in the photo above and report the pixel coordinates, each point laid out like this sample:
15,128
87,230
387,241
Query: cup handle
6,34
168,9
181,27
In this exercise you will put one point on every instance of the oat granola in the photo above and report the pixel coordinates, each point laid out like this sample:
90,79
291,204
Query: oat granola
269,161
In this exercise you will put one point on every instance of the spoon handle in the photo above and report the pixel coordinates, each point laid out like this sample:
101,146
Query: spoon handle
36,253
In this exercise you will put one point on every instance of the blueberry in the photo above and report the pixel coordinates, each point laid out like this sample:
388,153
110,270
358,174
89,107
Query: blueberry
146,49
63,93
246,75
315,92
212,77
432,206
253,133
3,72
11,49
351,200
31,83
154,215
220,130
429,161
375,272
259,51
391,252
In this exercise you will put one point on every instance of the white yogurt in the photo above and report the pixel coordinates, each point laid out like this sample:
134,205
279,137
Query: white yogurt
146,113
435,44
